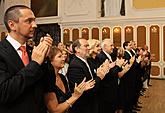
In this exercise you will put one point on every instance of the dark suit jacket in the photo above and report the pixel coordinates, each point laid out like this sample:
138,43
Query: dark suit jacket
127,84
109,85
87,103
21,88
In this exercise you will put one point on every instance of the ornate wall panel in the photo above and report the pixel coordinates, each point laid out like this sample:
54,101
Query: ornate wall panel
128,33
95,33
155,70
141,36
105,33
154,42
85,33
66,35
117,36
75,34
164,43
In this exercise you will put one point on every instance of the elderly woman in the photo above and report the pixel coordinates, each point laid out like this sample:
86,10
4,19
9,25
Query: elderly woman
59,99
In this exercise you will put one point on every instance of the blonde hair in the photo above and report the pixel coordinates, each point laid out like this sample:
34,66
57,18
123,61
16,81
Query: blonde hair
92,43
120,52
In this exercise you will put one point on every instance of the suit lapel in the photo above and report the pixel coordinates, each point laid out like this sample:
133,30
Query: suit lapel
85,68
105,56
12,54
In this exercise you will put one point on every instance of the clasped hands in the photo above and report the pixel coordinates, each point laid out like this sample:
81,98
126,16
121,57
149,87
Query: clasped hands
104,68
42,50
83,86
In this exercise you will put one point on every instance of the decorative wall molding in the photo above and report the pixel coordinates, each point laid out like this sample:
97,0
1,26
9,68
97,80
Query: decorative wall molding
75,7
48,20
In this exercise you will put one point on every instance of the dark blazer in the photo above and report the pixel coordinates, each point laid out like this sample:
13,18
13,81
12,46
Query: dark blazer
108,87
127,84
21,88
88,102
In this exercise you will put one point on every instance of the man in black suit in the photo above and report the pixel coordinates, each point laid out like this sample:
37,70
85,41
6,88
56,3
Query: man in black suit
109,85
21,86
128,81
78,69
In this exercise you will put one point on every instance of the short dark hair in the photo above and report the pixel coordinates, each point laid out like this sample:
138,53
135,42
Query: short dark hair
13,13
68,44
75,44
125,44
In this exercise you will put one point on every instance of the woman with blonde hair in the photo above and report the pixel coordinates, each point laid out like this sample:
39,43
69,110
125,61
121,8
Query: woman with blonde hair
94,46
95,49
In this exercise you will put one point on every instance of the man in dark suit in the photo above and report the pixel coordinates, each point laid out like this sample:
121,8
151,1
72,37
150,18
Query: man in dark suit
128,81
109,85
21,86
78,69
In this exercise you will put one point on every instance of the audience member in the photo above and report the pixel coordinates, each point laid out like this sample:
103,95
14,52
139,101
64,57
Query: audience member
59,99
21,73
108,94
78,69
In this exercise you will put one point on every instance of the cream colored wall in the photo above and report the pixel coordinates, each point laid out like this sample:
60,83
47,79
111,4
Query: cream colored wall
74,10
9,3
85,10
5,5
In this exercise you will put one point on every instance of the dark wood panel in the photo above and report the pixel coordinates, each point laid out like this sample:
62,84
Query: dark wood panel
85,33
66,36
117,36
155,71
141,36
105,33
95,33
128,33
164,42
75,34
154,42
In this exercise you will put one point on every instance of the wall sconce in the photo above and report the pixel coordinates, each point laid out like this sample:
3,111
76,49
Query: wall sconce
154,30
65,32
128,30
116,30
84,31
104,31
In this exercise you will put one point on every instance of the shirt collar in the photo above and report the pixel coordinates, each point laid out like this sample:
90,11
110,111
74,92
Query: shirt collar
14,42
129,53
81,59
133,51
108,55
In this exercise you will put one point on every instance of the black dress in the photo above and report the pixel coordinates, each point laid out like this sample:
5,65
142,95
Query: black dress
52,87
61,96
